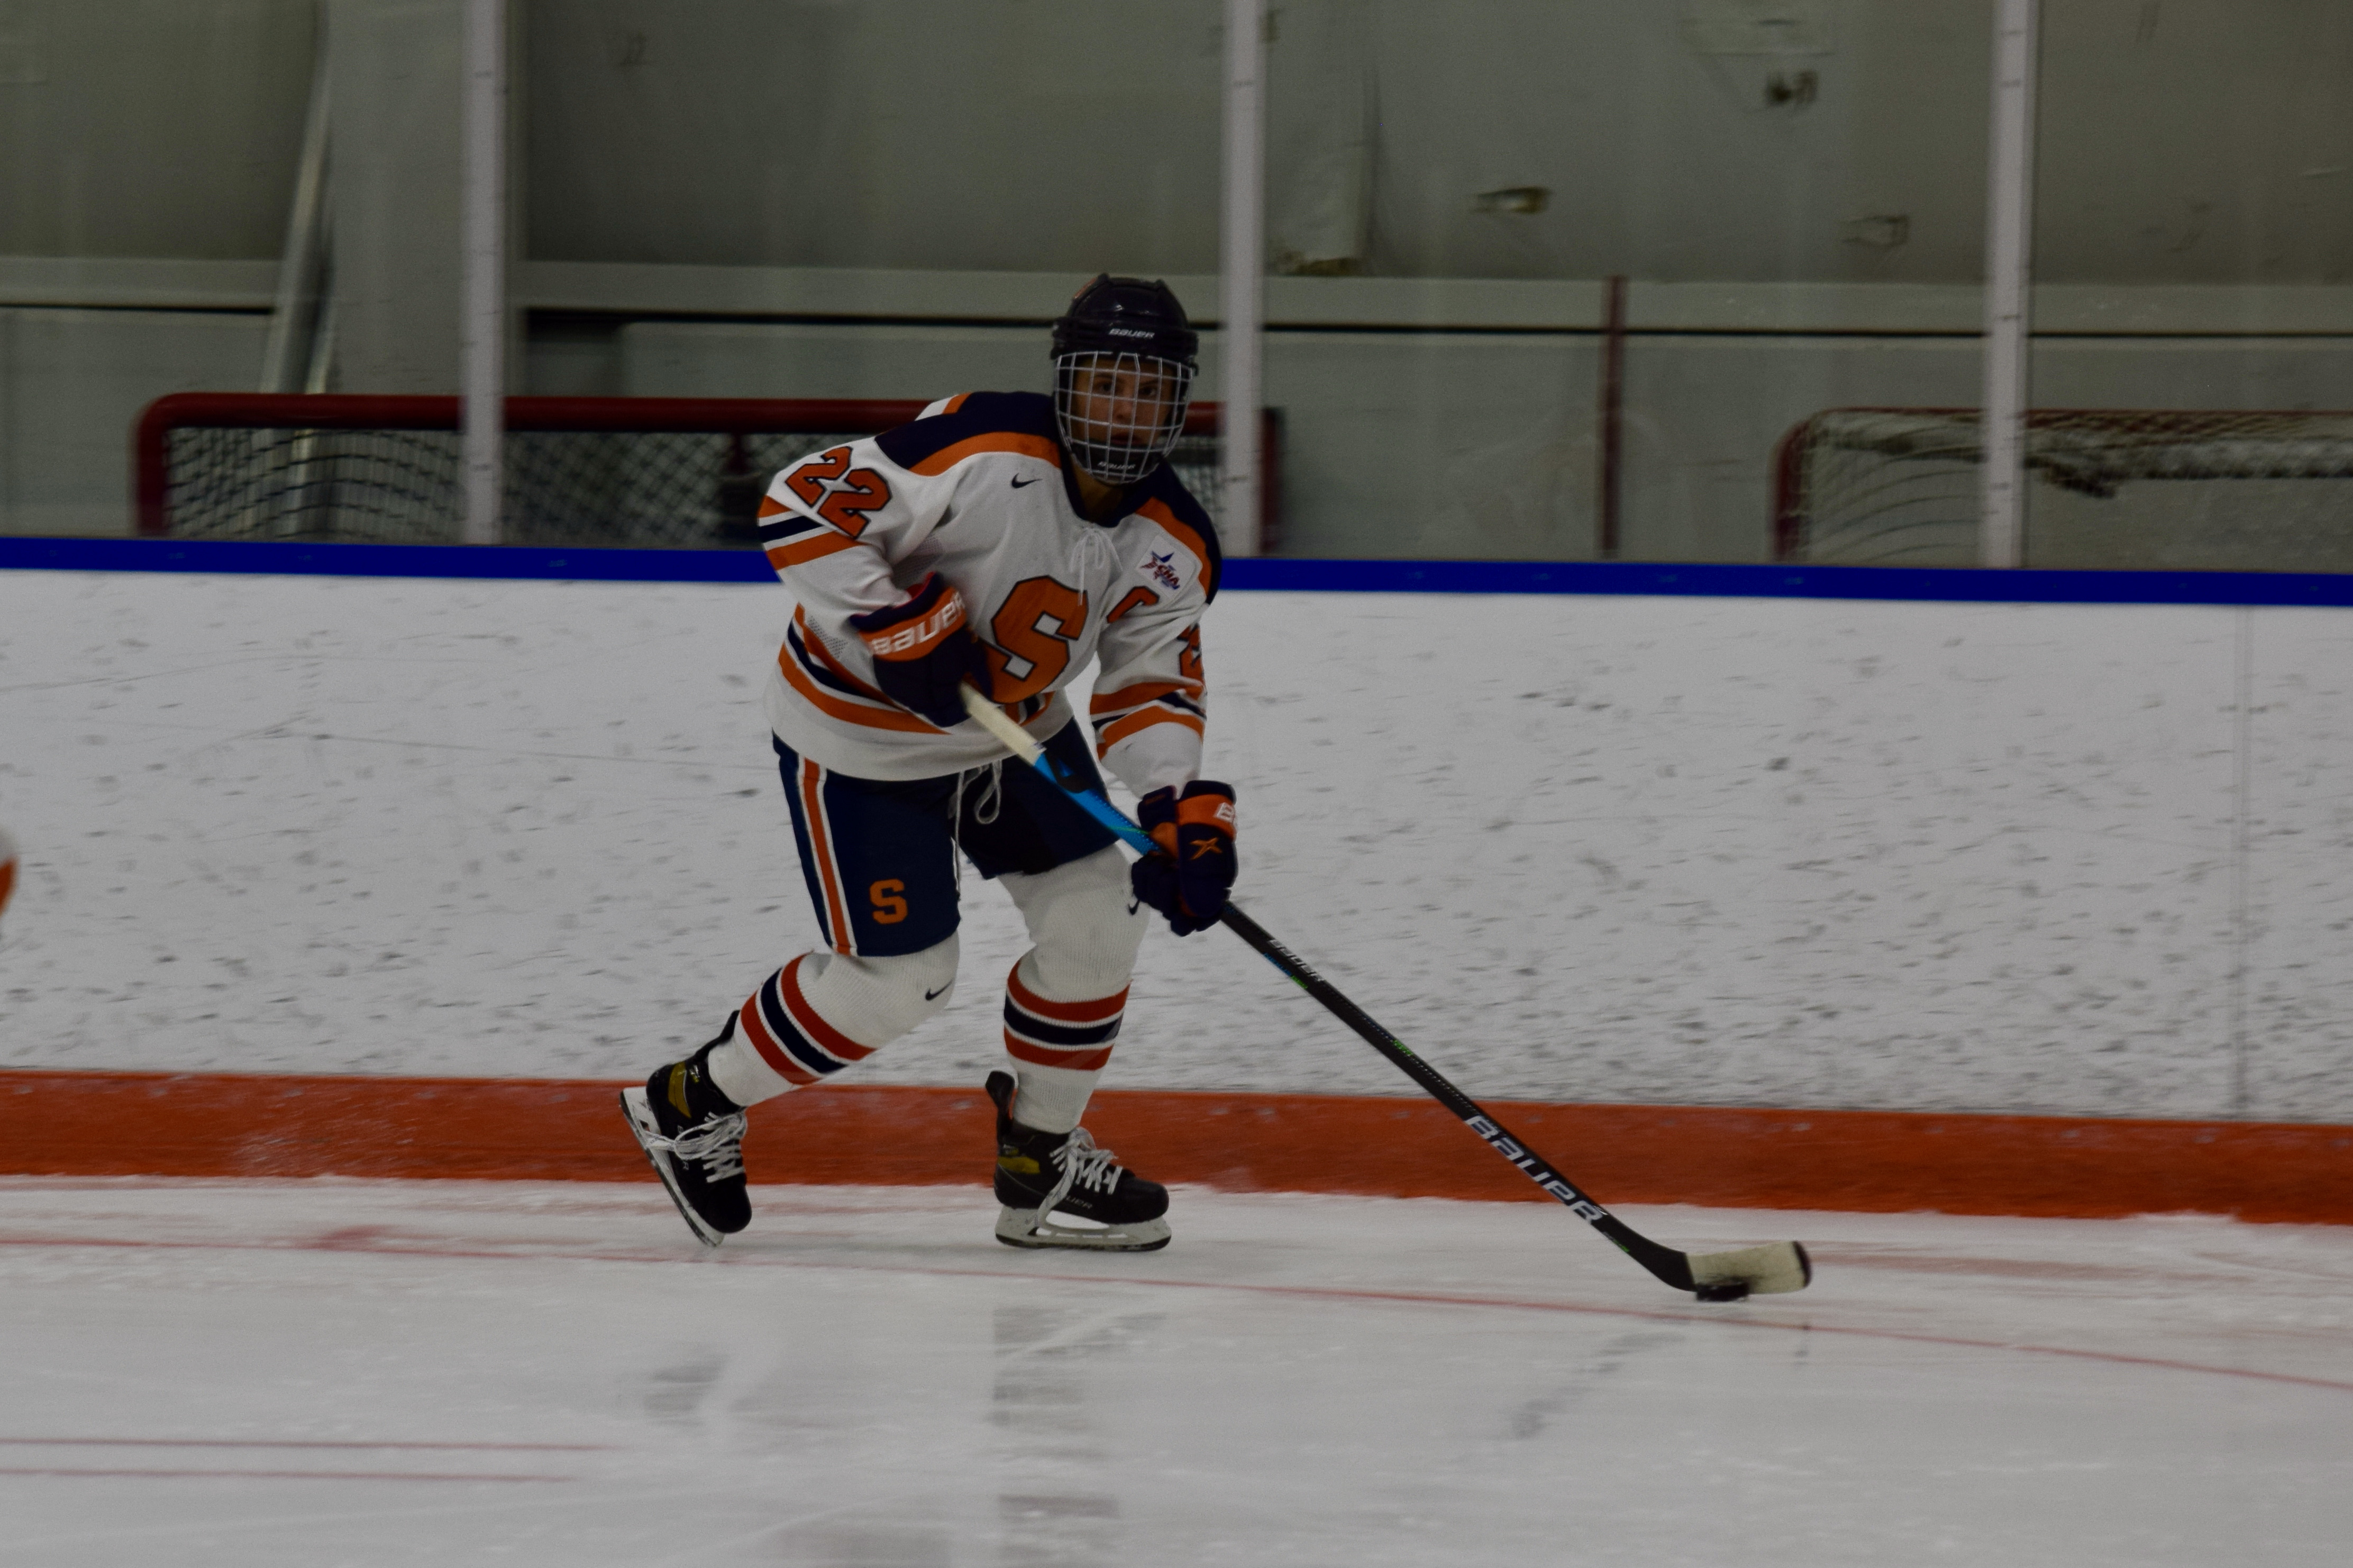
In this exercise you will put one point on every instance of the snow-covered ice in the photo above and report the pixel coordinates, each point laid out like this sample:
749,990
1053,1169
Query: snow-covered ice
314,1374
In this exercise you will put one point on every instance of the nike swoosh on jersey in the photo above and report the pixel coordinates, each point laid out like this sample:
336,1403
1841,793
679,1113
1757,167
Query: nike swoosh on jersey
934,996
1018,483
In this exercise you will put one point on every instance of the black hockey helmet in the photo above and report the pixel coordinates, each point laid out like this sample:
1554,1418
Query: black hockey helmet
1123,362
1127,314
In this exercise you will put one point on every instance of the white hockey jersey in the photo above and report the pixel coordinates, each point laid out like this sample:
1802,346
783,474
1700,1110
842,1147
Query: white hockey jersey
977,490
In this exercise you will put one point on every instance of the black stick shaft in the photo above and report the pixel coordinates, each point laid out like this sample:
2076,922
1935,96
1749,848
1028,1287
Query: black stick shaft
1672,1266
1669,1265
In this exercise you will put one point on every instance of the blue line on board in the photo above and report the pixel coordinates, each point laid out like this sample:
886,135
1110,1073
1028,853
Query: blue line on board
1964,585
273,557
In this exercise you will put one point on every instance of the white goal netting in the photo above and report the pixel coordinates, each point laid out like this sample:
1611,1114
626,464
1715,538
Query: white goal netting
2110,488
643,473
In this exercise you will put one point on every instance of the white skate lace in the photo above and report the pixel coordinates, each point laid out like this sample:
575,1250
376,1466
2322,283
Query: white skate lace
717,1146
1082,1165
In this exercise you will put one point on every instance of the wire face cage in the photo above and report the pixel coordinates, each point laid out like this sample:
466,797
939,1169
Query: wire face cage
2185,489
1120,413
645,473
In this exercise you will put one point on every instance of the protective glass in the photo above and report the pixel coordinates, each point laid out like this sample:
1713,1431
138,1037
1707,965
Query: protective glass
1120,413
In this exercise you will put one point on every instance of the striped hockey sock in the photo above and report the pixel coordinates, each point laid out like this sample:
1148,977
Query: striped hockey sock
1058,1047
781,1042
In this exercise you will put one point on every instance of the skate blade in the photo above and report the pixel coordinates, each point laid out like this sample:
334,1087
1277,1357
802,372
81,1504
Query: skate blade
1022,1227
642,1126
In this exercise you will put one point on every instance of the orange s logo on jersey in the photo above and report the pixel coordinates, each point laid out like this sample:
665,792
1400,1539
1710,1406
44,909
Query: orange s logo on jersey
890,905
1019,629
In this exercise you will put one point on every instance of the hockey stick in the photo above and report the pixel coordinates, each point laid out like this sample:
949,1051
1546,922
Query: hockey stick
1769,1270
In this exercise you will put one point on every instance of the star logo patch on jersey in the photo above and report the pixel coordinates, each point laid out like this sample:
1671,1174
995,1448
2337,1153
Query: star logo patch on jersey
1166,574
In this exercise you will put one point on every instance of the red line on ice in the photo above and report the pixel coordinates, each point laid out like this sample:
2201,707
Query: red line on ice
1314,1293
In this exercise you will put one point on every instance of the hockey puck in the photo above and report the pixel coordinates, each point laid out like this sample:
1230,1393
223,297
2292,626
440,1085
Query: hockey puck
1724,1290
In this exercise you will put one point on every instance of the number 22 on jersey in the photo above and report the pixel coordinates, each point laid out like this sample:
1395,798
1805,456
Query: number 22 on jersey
842,496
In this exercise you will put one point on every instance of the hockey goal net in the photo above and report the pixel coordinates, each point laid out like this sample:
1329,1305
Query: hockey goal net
2159,487
647,472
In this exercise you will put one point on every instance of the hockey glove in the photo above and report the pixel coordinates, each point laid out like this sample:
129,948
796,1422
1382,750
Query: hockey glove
924,651
1187,876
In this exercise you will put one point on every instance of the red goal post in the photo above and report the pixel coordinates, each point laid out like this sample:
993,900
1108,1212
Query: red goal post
648,472
1901,486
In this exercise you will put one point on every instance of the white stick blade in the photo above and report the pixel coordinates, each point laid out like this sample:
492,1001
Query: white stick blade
1772,1269
994,720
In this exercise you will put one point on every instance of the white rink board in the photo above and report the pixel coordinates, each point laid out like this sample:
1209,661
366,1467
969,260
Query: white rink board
292,1374
1889,855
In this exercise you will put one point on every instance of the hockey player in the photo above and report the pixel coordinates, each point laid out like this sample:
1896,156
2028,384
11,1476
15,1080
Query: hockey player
1003,540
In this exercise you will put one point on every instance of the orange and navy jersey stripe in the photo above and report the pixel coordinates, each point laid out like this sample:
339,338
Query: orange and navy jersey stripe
793,538
830,688
821,863
810,669
1077,1035
971,424
946,457
979,422
1116,715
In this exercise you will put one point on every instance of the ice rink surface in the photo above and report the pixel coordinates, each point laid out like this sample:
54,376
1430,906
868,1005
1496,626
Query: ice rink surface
319,1373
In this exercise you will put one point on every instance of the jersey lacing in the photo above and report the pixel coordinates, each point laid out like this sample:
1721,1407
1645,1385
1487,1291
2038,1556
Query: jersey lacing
1097,557
984,807
1097,554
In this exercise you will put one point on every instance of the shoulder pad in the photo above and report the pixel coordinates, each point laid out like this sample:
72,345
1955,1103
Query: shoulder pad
973,422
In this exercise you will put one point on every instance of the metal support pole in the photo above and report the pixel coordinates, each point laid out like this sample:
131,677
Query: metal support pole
2009,246
1245,250
484,309
294,318
1613,425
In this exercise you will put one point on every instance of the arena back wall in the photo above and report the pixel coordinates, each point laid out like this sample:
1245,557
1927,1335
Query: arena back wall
2059,858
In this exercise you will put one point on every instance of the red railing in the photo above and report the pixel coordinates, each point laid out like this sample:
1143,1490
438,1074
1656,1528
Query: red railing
151,438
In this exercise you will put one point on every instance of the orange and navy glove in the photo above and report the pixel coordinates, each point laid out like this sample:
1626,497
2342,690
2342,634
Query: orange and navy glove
1187,876
924,651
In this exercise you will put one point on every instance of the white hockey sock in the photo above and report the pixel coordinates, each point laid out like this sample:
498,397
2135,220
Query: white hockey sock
1058,1047
823,1011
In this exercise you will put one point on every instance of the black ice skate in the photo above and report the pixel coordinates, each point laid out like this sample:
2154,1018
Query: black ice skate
694,1136
1043,1173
